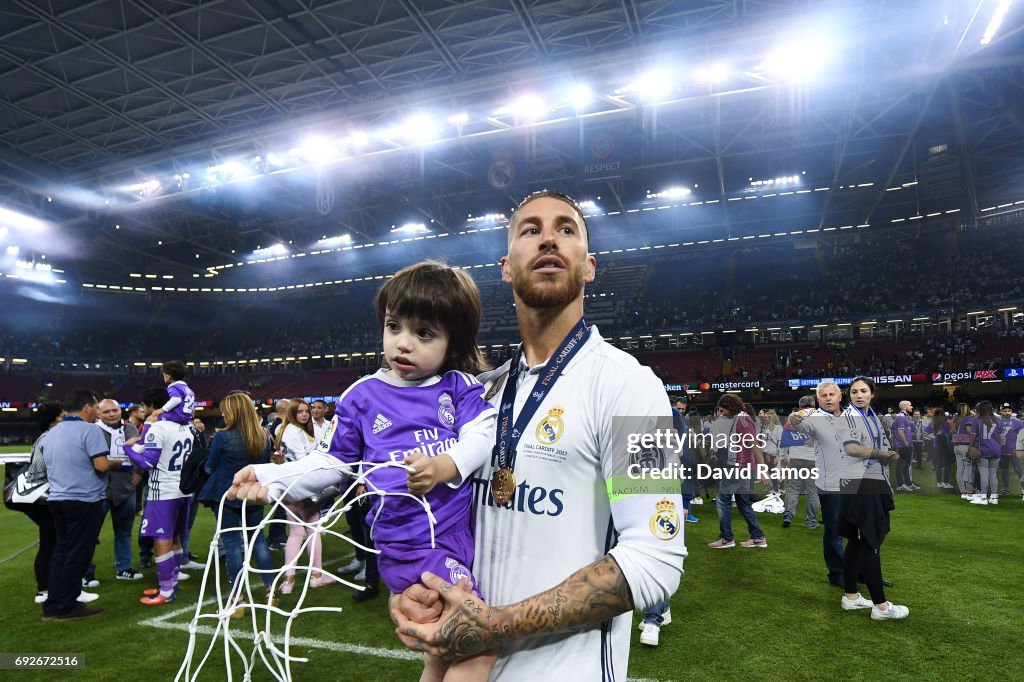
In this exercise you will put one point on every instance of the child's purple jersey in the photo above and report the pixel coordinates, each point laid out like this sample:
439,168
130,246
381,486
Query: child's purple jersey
182,412
382,419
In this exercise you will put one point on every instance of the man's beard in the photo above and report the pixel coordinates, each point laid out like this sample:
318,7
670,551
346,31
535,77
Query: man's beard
546,296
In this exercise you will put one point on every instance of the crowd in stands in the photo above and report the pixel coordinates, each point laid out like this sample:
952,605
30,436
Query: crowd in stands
701,290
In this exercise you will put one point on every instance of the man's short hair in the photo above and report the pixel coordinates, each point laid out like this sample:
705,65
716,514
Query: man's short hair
551,194
826,384
806,401
79,398
322,402
174,369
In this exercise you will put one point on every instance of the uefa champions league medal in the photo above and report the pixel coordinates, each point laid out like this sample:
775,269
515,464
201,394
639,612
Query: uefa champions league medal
503,484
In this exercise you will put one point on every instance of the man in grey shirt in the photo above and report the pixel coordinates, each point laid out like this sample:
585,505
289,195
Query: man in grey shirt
820,424
120,488
797,451
77,463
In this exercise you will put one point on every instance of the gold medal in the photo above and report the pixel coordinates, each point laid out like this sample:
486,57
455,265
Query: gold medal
503,484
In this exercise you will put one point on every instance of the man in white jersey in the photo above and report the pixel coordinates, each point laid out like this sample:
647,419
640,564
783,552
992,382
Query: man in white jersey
566,545
163,450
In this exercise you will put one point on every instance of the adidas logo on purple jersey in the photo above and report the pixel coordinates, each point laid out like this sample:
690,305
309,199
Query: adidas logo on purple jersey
380,423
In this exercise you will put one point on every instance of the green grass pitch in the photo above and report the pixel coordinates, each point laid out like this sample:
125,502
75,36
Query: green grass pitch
739,613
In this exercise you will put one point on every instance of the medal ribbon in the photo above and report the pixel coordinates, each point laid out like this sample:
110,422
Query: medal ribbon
509,433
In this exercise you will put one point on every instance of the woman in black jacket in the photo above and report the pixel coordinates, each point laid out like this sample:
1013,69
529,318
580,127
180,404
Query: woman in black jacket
49,415
242,442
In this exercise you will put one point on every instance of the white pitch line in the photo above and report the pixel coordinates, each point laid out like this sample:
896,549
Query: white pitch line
160,622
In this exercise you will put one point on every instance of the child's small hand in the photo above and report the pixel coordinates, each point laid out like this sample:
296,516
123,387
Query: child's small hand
423,476
154,415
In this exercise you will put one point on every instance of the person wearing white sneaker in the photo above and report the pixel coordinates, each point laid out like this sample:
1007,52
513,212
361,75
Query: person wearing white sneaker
353,566
937,433
889,611
655,618
990,435
120,502
865,498
851,602
963,433
902,439
86,597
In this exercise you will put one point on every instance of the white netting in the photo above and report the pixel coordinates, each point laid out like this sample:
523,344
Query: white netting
250,640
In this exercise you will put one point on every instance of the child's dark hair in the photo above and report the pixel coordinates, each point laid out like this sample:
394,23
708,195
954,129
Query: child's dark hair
435,293
174,369
47,412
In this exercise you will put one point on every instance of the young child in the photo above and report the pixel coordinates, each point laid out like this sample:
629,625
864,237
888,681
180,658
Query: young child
426,410
181,400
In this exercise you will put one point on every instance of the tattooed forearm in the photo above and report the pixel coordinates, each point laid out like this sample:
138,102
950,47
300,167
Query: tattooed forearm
590,595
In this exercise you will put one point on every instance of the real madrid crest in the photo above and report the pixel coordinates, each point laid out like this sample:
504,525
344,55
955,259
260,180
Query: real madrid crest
665,521
550,428
446,411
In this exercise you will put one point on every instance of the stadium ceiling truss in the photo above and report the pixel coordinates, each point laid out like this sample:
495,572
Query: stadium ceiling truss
95,93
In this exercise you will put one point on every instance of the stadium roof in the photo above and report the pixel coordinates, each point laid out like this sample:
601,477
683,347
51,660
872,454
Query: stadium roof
170,137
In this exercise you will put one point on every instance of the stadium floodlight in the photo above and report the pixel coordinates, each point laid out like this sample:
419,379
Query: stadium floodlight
13,250
359,139
270,252
32,265
798,60
274,161
419,128
580,96
331,242
715,72
144,187
996,22
459,119
670,193
653,86
229,170
776,182
410,228
525,108
588,205
318,149
486,218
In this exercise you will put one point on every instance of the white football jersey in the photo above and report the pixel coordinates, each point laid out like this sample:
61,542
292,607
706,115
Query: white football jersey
567,511
174,441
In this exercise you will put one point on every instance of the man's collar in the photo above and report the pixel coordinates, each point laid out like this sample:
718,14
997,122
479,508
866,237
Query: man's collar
595,337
